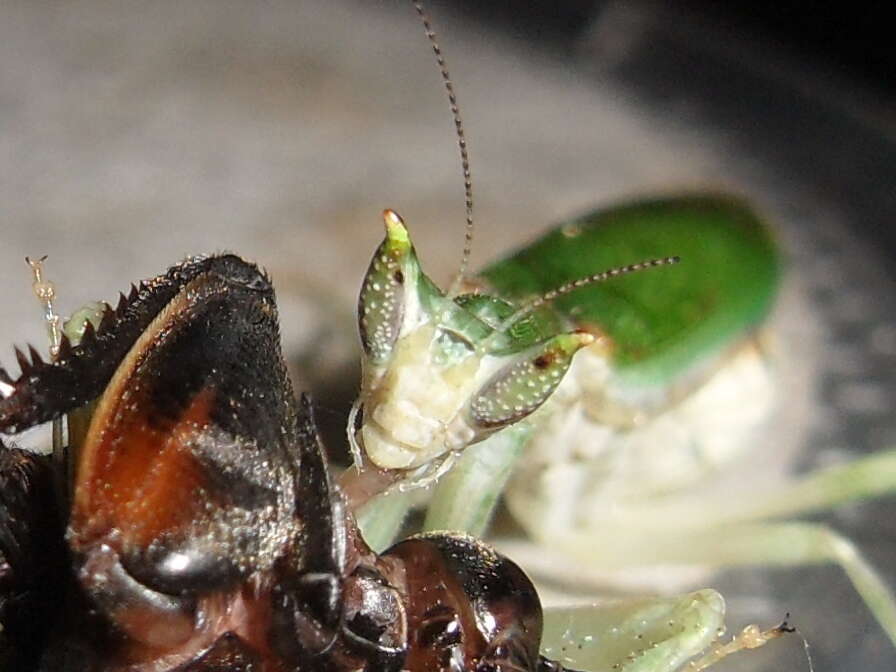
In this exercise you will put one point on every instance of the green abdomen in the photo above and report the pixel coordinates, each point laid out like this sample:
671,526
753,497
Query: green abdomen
661,321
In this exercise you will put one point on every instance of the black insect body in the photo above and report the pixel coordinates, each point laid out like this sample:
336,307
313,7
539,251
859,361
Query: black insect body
204,532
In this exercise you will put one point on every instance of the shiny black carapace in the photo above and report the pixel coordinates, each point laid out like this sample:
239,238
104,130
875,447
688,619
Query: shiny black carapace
203,532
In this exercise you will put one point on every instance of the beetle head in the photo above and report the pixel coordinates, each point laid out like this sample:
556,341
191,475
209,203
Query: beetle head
469,607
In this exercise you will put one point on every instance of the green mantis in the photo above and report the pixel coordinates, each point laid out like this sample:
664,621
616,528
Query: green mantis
601,410
427,385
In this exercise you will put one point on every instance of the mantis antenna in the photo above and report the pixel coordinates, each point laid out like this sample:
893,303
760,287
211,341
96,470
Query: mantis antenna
45,291
562,290
454,289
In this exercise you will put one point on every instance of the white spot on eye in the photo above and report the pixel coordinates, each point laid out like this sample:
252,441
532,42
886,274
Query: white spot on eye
6,389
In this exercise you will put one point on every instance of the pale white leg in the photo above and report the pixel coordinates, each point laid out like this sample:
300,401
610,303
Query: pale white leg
638,635
864,478
781,544
646,635
464,498
823,489
381,519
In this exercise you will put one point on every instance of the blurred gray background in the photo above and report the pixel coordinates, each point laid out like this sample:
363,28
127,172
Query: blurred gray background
133,134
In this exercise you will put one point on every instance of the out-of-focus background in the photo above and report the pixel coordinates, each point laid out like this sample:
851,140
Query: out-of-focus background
132,134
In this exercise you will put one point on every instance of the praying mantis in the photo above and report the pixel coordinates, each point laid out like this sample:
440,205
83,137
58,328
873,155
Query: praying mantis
612,451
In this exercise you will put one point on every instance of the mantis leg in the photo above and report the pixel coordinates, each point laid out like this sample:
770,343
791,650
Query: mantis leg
770,543
825,489
381,519
864,478
646,635
462,500
465,498
695,529
789,544
643,635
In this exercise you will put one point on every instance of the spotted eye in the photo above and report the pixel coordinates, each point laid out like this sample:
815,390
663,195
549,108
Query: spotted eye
381,304
520,387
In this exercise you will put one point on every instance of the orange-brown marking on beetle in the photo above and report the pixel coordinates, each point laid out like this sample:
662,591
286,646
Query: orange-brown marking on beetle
134,475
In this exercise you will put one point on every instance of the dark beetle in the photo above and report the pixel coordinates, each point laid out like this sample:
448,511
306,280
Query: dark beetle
203,531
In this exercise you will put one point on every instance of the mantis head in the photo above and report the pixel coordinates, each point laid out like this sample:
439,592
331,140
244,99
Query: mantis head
441,372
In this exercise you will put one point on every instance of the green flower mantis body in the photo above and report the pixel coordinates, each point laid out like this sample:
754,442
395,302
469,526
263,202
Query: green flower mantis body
679,343
440,371
666,378
443,372
611,401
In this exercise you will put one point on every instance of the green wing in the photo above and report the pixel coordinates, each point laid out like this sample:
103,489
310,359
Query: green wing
660,321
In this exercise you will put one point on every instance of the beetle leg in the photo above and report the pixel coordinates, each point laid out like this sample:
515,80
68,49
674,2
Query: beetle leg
46,390
318,500
130,604
334,605
32,555
308,598
227,654
184,493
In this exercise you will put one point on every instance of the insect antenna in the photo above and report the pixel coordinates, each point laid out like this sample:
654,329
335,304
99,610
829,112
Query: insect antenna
46,294
454,288
45,291
569,287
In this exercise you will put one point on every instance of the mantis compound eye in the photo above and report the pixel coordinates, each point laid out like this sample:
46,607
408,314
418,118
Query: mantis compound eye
470,608
521,386
382,303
